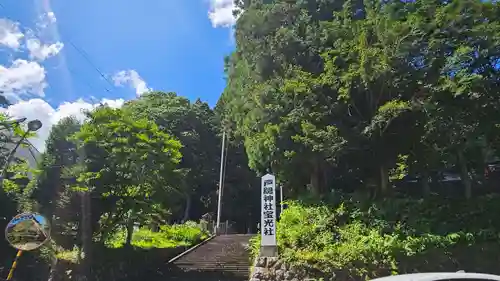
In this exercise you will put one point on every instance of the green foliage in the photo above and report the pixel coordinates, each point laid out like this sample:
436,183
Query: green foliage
169,236
18,182
150,164
347,88
254,244
129,160
401,169
354,240
192,123
330,96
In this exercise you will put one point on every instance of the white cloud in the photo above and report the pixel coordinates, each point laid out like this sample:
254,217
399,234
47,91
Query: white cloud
11,37
41,51
221,13
10,34
51,17
113,103
41,110
22,77
23,81
45,19
131,78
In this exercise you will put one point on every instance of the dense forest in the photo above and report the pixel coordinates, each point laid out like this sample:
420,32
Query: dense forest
380,119
138,177
357,93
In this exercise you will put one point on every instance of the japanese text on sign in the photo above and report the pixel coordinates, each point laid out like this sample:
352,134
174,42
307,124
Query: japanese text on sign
268,206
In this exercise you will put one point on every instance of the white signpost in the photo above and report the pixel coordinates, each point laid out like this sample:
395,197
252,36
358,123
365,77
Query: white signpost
268,216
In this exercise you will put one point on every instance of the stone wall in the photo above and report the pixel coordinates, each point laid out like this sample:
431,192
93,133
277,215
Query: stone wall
274,269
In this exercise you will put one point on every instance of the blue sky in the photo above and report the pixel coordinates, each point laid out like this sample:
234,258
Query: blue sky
52,53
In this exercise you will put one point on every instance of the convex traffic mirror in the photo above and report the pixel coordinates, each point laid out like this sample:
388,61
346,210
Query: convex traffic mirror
27,231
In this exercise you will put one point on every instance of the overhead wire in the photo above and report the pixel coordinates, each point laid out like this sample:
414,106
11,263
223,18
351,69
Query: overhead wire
87,83
87,58
85,55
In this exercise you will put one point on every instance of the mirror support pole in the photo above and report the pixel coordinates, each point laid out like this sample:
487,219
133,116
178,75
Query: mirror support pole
14,264
11,155
221,179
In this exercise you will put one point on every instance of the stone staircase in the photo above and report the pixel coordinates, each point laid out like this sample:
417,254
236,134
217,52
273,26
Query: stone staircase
222,258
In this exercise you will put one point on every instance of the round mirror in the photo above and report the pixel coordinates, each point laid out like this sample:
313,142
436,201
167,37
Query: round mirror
27,231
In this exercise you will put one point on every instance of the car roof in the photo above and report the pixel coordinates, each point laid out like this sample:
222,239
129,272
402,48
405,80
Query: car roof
430,276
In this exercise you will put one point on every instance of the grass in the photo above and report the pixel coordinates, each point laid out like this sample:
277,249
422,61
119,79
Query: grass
169,236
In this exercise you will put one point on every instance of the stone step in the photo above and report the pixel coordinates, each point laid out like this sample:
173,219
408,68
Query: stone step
224,258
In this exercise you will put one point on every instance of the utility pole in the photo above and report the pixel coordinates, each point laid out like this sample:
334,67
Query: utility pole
219,203
281,199
86,226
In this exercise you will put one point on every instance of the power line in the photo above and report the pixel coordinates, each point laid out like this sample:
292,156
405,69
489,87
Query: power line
87,83
86,57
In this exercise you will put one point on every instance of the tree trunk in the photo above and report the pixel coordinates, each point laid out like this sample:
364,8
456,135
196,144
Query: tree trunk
384,179
130,229
326,178
54,274
371,188
187,209
86,236
426,188
464,174
315,179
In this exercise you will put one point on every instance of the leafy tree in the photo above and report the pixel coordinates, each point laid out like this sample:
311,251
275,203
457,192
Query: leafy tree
336,92
193,125
54,194
131,160
17,181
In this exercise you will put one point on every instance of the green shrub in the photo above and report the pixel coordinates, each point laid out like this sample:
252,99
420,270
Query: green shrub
254,246
356,240
169,236
68,255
